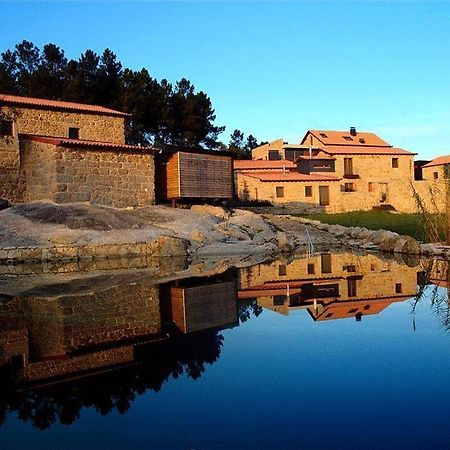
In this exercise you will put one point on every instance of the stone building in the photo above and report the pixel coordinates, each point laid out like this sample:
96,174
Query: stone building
354,171
70,152
280,182
330,286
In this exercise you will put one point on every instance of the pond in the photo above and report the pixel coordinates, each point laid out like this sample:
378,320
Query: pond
332,350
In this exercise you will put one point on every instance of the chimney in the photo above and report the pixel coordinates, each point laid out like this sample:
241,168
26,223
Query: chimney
353,131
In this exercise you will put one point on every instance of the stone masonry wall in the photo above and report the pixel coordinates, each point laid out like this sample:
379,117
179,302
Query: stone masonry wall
294,192
46,122
38,170
45,331
375,173
103,177
11,184
64,175
69,323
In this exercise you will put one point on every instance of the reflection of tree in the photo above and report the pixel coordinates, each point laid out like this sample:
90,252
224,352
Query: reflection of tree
247,308
155,364
439,302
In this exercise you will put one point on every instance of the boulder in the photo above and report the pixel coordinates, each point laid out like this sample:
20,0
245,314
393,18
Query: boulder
388,244
285,242
215,211
379,236
338,230
407,245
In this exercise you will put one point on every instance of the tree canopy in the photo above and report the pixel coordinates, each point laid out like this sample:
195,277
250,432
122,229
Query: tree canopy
162,113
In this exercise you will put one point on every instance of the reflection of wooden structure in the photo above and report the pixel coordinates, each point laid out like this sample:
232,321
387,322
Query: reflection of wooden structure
204,306
193,174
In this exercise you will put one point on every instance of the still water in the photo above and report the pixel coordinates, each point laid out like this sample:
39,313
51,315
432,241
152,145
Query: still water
327,351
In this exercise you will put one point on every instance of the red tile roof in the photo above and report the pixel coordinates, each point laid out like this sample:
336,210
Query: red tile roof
289,176
363,150
65,142
329,137
438,161
56,104
345,309
258,164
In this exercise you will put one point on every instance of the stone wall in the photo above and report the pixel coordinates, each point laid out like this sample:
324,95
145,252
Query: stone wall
374,174
38,170
60,335
104,177
377,278
294,192
11,183
47,122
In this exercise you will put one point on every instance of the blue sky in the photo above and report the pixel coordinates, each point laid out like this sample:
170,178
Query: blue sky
274,69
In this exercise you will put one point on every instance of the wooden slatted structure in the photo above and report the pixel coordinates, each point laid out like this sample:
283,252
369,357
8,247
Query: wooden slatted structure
196,308
193,174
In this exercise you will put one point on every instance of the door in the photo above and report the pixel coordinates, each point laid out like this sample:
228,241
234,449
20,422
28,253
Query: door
383,192
324,195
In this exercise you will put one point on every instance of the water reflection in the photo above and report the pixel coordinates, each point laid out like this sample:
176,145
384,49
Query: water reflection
100,343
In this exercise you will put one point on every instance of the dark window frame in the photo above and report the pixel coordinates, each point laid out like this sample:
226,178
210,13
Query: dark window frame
7,128
74,133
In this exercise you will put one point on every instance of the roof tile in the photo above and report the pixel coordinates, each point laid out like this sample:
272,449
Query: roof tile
56,104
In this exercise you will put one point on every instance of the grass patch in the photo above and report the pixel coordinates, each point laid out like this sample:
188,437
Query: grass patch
409,224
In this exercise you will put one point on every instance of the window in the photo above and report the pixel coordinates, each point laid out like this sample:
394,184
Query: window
311,269
308,191
278,300
398,288
348,166
282,270
349,187
274,155
362,140
435,175
395,163
323,135
349,268
347,138
370,187
6,128
74,133
279,191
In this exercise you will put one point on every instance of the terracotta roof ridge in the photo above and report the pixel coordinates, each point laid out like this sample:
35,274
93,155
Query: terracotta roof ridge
57,140
60,104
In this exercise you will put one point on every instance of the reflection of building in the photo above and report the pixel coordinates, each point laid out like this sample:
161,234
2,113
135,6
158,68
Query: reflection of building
53,336
329,286
440,273
198,304
78,330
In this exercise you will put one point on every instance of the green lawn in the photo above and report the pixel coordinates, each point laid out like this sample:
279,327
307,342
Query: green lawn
409,224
